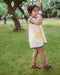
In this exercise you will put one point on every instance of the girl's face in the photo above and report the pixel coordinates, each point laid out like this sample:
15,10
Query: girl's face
35,12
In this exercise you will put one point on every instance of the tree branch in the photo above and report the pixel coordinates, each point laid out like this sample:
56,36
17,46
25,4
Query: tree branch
16,3
22,12
6,1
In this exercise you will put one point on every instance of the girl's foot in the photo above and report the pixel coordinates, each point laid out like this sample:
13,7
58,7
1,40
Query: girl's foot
46,67
34,65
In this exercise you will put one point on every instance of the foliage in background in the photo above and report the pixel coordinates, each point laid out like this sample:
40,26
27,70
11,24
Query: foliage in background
58,14
3,10
51,8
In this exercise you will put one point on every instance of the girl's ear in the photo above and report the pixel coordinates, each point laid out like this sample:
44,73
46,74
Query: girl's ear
30,14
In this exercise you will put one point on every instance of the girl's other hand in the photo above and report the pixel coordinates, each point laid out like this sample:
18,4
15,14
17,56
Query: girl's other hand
38,16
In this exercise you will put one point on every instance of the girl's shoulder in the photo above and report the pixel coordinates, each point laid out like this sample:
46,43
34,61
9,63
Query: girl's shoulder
31,20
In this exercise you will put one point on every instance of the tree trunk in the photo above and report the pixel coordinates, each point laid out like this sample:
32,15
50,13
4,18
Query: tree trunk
11,10
16,22
4,20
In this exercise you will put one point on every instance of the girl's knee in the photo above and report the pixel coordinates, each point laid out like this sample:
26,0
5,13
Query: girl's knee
36,51
40,49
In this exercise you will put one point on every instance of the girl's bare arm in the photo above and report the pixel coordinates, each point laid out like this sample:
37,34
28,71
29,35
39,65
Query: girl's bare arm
37,21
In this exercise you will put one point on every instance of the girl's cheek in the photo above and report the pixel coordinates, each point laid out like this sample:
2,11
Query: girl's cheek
34,13
38,12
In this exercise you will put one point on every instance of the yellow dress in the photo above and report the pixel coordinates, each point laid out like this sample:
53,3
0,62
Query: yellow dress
37,37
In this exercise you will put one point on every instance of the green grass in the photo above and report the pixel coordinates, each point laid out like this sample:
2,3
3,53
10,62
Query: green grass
53,22
16,55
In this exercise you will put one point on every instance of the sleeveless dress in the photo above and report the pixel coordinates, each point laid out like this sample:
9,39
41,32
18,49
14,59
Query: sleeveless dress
37,37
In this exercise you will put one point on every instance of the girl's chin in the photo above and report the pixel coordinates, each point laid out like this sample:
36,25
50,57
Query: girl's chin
35,16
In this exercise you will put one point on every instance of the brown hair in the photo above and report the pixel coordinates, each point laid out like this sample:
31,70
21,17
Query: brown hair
31,7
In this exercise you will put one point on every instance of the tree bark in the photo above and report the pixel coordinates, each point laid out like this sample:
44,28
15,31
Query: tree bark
4,20
11,10
16,22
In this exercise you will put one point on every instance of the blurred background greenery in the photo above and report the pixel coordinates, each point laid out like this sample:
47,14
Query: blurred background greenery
15,52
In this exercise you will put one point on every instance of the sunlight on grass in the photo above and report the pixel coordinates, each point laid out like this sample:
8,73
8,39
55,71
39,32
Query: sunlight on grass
54,22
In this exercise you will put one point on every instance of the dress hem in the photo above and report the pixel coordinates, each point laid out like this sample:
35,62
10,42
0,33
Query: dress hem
38,47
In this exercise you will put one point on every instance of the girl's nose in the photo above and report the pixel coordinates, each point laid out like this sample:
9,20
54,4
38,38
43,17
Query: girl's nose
37,12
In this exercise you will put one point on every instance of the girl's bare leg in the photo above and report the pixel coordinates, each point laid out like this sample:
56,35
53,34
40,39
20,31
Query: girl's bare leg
34,57
42,56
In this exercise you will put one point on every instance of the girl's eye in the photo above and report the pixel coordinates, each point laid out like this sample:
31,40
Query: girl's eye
34,10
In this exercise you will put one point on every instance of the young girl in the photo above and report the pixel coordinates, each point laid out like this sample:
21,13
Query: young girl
37,38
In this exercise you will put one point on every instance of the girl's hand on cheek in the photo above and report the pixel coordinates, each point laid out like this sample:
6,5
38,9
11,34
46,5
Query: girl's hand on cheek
38,16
